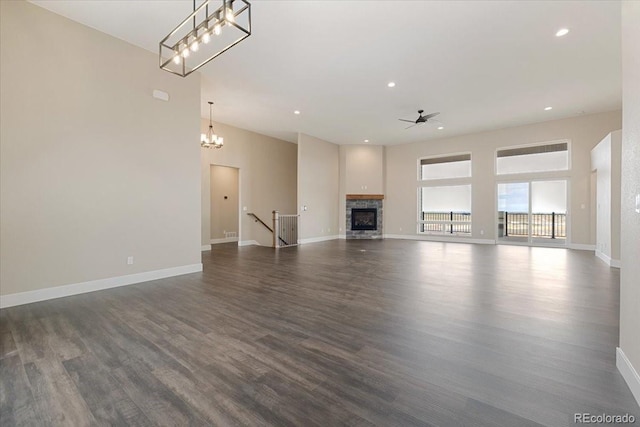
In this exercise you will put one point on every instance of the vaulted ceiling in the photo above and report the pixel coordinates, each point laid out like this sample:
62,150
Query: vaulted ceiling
482,64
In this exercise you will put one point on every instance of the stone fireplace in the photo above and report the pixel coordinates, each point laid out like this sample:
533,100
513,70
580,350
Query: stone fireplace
364,216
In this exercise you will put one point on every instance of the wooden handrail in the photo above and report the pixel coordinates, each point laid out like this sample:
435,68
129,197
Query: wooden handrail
257,219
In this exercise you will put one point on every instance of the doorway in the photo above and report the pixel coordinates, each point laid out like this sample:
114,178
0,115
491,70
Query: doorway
225,190
532,212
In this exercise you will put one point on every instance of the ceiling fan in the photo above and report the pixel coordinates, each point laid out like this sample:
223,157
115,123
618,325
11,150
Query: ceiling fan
421,119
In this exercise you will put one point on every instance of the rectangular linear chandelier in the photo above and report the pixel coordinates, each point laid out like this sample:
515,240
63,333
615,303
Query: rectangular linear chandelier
213,28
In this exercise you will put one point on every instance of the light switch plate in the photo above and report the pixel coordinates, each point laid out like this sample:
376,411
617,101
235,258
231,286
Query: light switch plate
638,203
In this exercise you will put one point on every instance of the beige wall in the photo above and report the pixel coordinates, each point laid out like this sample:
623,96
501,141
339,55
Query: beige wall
630,219
584,133
93,169
318,188
225,201
267,169
361,172
363,168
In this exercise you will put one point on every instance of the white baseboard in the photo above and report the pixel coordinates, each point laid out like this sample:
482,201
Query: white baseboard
603,257
629,374
317,239
223,240
581,247
430,238
205,248
248,243
342,236
608,260
28,297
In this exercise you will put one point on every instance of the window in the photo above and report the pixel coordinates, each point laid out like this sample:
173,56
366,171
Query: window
445,207
532,211
445,167
538,158
445,210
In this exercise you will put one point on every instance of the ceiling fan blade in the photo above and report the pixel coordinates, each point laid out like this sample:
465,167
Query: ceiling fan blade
415,124
435,122
428,116
408,121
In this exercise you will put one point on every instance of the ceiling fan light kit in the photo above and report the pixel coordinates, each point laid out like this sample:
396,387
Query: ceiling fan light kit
213,28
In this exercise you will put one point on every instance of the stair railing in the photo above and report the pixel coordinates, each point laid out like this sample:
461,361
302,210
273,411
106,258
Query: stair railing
286,227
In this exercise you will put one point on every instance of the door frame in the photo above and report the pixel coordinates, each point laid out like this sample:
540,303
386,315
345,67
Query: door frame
530,242
239,207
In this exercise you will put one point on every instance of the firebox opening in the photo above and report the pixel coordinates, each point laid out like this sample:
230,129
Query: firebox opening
364,219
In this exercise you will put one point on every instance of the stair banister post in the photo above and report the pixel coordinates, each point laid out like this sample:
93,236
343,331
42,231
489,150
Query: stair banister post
276,229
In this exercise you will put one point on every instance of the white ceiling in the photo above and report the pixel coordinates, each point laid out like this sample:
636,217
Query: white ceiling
483,65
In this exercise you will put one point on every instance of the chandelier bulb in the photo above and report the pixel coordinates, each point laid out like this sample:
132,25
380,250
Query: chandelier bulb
217,29
185,50
228,15
194,46
206,37
176,58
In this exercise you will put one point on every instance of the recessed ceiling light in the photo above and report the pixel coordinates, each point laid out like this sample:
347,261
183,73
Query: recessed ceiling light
548,108
562,32
391,84
440,127
296,112
366,140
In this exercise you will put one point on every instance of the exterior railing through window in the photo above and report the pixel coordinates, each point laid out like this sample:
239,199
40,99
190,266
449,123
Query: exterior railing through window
446,222
545,225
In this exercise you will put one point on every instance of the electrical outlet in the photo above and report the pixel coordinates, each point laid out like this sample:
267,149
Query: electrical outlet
130,260
482,232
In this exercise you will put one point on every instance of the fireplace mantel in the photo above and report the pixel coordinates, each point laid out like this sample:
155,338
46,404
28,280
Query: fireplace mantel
365,196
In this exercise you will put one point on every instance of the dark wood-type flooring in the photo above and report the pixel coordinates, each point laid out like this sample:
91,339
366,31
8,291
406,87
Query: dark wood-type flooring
387,333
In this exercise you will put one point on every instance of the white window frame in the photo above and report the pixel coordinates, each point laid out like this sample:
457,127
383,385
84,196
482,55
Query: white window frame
530,180
534,173
439,156
443,182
